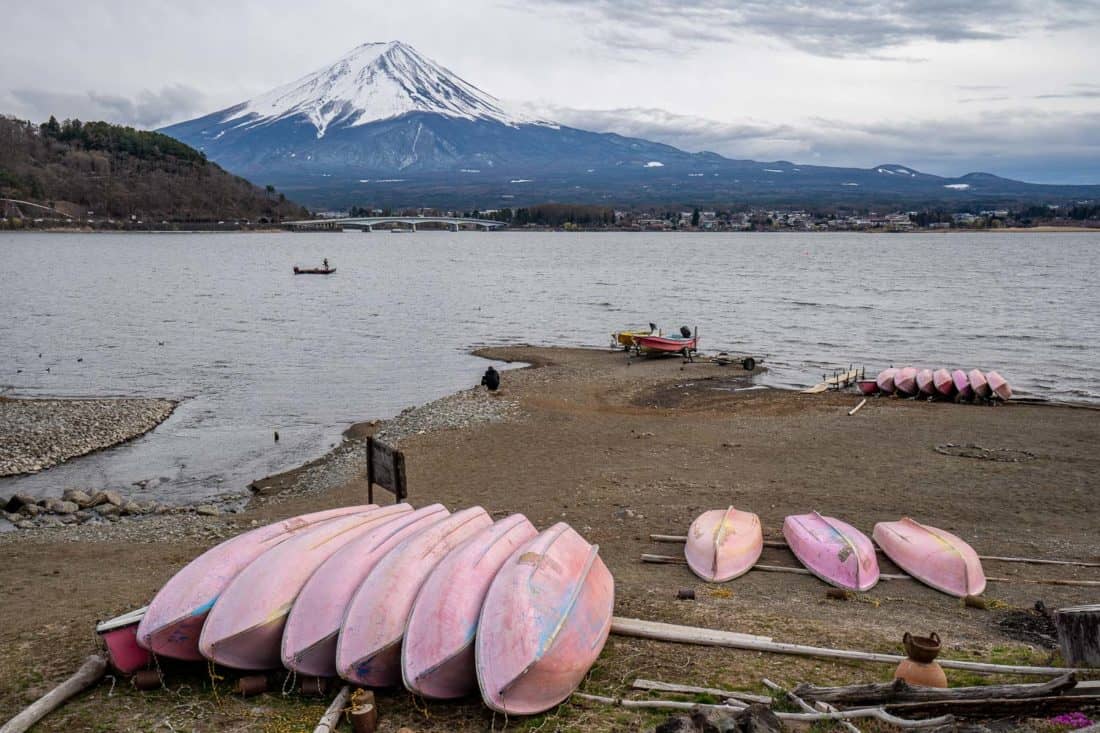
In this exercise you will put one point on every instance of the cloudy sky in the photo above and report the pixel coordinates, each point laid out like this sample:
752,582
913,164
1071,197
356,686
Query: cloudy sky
946,86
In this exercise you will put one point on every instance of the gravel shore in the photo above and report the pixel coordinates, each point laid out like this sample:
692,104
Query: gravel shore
37,434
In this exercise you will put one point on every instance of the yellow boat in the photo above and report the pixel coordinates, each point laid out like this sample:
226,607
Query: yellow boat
625,339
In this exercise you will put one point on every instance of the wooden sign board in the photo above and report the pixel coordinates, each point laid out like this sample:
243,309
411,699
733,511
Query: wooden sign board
385,467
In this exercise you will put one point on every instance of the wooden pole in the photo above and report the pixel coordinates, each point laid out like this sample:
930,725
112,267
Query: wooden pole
825,707
89,673
331,718
855,409
877,713
713,637
674,560
641,684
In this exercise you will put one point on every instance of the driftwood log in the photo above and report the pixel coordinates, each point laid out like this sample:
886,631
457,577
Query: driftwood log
823,707
994,707
331,718
1079,634
713,637
90,672
900,691
641,684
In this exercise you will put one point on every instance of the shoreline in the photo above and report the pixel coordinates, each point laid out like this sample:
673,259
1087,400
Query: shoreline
1040,229
619,452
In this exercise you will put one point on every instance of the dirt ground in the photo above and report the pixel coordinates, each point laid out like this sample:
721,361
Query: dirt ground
622,449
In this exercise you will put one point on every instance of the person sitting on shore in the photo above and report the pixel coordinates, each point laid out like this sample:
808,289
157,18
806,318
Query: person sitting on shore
491,380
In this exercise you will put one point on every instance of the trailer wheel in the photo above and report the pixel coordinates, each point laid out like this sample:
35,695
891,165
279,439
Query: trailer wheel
748,363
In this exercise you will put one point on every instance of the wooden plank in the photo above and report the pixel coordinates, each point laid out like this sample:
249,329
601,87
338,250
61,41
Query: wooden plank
331,719
713,637
385,468
641,684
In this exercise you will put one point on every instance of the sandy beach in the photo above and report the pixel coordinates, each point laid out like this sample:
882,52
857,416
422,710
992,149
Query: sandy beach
619,449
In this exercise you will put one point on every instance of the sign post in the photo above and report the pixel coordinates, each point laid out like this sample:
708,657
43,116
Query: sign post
385,467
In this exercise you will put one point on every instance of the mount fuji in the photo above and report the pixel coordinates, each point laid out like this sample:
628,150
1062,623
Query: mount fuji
385,126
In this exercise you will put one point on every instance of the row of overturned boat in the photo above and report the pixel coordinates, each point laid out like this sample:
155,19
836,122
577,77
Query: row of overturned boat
445,604
958,385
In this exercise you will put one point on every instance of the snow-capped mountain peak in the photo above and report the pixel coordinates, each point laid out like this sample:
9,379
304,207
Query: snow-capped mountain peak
375,81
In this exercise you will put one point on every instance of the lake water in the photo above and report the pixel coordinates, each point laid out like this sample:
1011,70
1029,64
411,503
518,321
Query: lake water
219,321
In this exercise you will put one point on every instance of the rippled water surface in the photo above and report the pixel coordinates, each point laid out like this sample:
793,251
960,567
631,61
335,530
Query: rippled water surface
219,321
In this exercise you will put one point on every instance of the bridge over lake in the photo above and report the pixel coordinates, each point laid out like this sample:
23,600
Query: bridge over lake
410,223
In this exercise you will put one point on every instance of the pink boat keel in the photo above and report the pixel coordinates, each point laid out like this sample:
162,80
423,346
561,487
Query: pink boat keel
933,556
368,649
905,382
723,544
834,551
944,384
999,386
962,384
978,383
309,638
925,383
544,622
174,619
885,380
244,629
437,656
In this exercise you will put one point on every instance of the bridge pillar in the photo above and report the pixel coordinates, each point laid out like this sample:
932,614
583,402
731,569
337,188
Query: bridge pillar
454,227
414,226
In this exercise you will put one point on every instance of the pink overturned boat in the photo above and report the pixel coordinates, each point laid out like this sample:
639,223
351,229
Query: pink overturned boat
245,627
723,544
944,384
926,383
905,381
120,636
999,386
437,656
962,384
978,383
173,621
309,638
933,556
833,550
885,380
368,650
544,622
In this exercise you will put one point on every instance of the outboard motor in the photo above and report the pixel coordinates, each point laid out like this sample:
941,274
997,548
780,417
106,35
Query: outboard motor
685,332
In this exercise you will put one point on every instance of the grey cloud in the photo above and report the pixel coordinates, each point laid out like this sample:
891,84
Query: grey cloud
835,28
147,109
1016,143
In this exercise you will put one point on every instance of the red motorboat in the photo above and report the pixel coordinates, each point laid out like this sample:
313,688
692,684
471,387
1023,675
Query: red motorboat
666,344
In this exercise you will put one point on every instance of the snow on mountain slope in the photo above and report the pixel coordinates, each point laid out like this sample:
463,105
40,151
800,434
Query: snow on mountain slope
376,81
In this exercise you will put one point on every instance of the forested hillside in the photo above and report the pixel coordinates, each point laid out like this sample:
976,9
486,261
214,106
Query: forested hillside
124,174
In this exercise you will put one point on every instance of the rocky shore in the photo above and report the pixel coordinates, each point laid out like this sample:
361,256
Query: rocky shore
37,434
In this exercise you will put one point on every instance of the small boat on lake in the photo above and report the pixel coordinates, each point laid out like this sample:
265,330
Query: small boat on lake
905,382
723,544
626,339
885,380
933,556
834,551
941,380
999,386
979,383
925,383
314,270
544,622
962,384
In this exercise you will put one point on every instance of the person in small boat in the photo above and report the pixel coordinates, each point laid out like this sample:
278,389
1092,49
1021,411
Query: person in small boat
324,264
491,379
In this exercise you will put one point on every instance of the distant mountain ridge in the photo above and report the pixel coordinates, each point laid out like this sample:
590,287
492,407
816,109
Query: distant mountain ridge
387,126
